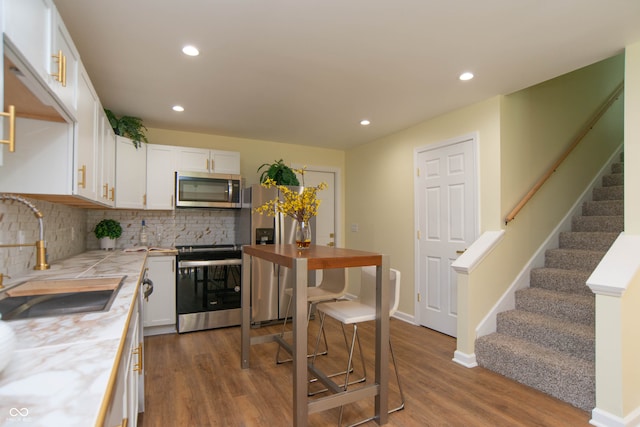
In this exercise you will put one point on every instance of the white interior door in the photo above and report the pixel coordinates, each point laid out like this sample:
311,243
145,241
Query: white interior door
446,219
325,228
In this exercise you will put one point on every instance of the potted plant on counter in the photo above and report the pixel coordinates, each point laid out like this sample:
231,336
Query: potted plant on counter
107,231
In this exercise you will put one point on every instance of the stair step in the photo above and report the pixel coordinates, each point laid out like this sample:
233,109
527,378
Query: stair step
573,259
613,179
589,240
603,208
609,193
564,336
564,377
618,167
560,305
561,280
610,224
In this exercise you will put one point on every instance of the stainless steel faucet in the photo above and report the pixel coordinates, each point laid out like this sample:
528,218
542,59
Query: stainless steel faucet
41,248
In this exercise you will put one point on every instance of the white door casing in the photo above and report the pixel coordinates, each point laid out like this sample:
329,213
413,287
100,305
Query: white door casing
446,224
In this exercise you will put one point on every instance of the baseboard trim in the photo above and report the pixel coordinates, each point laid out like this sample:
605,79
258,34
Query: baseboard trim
602,418
159,330
464,359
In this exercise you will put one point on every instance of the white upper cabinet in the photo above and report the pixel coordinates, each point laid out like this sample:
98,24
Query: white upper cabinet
64,66
131,171
225,162
106,160
28,29
208,161
161,166
86,143
38,38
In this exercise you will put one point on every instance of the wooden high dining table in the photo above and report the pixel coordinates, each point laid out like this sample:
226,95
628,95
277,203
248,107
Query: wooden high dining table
318,258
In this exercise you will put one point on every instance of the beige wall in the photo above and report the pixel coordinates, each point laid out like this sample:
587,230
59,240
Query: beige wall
617,318
380,190
537,125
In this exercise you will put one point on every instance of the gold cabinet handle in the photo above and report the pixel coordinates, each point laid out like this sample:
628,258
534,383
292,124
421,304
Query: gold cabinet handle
137,367
207,164
59,58
105,191
331,244
144,200
113,194
64,70
461,252
83,182
12,128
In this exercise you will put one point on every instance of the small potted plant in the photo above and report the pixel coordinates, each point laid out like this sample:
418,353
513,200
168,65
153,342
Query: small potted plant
108,230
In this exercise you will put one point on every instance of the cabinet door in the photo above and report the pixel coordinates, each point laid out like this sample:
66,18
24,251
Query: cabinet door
131,171
106,161
134,373
161,167
27,26
160,308
86,139
64,66
225,162
193,160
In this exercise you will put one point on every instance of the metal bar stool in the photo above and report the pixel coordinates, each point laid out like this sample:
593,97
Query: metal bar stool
362,309
332,287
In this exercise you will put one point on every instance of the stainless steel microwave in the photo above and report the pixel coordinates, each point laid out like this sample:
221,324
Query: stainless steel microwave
208,190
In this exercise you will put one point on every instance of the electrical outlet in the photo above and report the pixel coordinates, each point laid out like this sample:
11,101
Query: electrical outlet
354,228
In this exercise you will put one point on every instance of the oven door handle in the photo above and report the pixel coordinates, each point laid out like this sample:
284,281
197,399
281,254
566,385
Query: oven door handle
206,263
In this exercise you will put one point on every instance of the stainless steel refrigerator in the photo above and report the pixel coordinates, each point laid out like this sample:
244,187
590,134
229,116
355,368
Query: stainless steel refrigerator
268,281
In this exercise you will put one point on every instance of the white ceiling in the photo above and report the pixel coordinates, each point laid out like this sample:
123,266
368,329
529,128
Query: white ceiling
307,71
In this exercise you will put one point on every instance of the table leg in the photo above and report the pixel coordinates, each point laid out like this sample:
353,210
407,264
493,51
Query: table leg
300,385
382,340
245,298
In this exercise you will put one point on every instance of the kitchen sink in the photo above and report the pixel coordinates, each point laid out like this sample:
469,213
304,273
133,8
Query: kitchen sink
48,298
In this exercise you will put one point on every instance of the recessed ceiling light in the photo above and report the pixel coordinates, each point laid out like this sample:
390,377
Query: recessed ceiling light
365,122
466,76
190,50
178,108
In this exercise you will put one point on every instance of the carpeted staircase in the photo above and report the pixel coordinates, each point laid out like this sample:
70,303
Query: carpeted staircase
548,341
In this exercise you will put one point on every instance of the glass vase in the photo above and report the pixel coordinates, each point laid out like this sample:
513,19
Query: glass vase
303,234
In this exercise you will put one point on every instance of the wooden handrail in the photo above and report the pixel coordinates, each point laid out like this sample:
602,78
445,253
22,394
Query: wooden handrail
603,109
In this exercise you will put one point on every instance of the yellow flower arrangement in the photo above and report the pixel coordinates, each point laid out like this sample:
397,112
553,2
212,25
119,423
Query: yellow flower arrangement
299,206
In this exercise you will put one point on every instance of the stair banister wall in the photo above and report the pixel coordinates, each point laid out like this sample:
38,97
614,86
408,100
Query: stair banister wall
616,283
481,248
536,126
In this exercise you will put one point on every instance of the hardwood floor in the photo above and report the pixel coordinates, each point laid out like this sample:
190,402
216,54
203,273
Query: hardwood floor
195,379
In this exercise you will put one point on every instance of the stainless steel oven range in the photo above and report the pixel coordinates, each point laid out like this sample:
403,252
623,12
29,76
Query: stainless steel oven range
208,287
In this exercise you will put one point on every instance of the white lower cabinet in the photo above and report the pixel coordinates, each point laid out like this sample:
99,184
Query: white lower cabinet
160,307
127,397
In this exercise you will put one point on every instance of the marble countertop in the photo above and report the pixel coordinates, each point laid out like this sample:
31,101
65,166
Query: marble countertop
60,370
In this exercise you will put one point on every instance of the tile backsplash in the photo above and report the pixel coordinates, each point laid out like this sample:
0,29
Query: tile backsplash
69,231
65,229
179,227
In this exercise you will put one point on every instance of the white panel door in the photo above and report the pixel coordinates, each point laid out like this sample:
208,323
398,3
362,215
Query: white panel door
446,209
325,226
